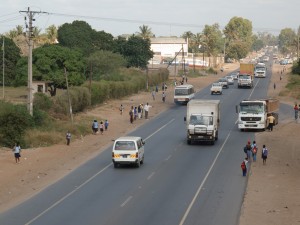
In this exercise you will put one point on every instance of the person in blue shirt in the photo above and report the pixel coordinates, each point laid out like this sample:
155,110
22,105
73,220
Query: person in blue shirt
95,126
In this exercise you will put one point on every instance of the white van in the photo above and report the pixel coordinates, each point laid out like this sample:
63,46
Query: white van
128,150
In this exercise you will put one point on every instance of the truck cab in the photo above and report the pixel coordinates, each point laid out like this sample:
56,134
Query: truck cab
245,80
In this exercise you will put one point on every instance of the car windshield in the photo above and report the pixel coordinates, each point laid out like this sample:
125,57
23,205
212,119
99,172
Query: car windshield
125,145
201,120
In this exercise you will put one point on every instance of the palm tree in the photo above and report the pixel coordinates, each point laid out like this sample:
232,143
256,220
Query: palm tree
19,29
52,33
145,32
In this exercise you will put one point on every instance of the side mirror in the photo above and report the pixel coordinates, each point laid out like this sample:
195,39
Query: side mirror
143,142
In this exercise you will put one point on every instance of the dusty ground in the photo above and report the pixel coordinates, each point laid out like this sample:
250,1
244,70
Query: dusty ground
273,190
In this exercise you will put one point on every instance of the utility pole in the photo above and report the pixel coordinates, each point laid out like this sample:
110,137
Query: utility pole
30,35
3,66
68,93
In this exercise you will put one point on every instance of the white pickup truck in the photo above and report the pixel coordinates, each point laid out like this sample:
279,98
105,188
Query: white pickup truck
216,88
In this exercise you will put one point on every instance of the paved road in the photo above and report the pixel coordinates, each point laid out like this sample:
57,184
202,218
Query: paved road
178,183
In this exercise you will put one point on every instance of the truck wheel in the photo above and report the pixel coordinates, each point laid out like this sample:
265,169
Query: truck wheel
211,93
138,164
189,142
115,165
142,162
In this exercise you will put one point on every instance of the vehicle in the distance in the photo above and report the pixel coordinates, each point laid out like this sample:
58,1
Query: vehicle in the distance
223,81
184,93
202,120
260,70
128,150
234,75
246,75
230,79
216,88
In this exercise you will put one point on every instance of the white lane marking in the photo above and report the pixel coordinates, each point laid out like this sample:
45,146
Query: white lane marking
159,129
150,176
253,89
69,194
126,201
202,183
87,181
169,157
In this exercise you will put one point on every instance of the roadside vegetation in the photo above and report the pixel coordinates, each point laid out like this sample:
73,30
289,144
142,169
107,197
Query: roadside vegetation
98,67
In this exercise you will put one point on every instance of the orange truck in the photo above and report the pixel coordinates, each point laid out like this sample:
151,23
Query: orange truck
246,75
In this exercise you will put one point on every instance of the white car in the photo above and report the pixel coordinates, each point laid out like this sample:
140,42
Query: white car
230,79
234,75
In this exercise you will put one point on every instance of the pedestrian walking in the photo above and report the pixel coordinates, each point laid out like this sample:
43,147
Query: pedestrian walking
95,126
186,79
146,108
271,120
264,154
142,110
135,113
106,123
153,95
101,127
121,109
156,88
247,150
131,111
163,96
296,109
254,150
244,166
274,86
68,137
17,152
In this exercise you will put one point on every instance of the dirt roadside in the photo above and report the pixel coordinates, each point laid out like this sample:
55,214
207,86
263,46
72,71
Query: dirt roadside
272,195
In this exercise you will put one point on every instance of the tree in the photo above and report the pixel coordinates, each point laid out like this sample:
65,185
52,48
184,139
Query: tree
104,63
136,51
212,39
257,43
51,32
80,35
287,41
238,34
145,32
11,57
189,37
49,62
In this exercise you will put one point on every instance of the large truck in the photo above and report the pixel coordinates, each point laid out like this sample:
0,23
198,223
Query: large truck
253,114
202,120
260,70
246,75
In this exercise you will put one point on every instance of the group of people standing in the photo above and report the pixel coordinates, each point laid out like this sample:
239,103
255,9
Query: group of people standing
251,152
138,112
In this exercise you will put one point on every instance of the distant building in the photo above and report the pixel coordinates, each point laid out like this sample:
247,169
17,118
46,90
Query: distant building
40,86
168,46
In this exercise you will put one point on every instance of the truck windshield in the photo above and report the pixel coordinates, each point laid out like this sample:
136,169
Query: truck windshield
244,76
201,120
255,108
260,68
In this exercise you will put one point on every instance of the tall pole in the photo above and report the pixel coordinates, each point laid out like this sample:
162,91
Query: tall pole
3,66
224,49
30,35
68,93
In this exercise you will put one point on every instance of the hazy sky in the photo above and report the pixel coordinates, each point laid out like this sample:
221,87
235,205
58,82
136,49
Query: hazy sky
164,17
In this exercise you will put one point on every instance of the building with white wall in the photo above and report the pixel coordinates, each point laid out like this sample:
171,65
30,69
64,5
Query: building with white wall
168,46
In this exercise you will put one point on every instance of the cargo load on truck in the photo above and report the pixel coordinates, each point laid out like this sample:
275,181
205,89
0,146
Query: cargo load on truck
246,75
202,120
253,114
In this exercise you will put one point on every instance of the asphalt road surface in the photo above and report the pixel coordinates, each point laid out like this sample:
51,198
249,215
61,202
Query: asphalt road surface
177,184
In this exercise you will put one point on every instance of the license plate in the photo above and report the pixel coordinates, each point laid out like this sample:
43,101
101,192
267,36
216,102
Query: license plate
124,156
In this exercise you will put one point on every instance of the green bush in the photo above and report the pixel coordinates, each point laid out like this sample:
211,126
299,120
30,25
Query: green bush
14,120
42,102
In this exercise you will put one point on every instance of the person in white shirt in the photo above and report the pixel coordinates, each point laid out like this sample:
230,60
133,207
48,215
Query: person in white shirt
146,109
17,151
